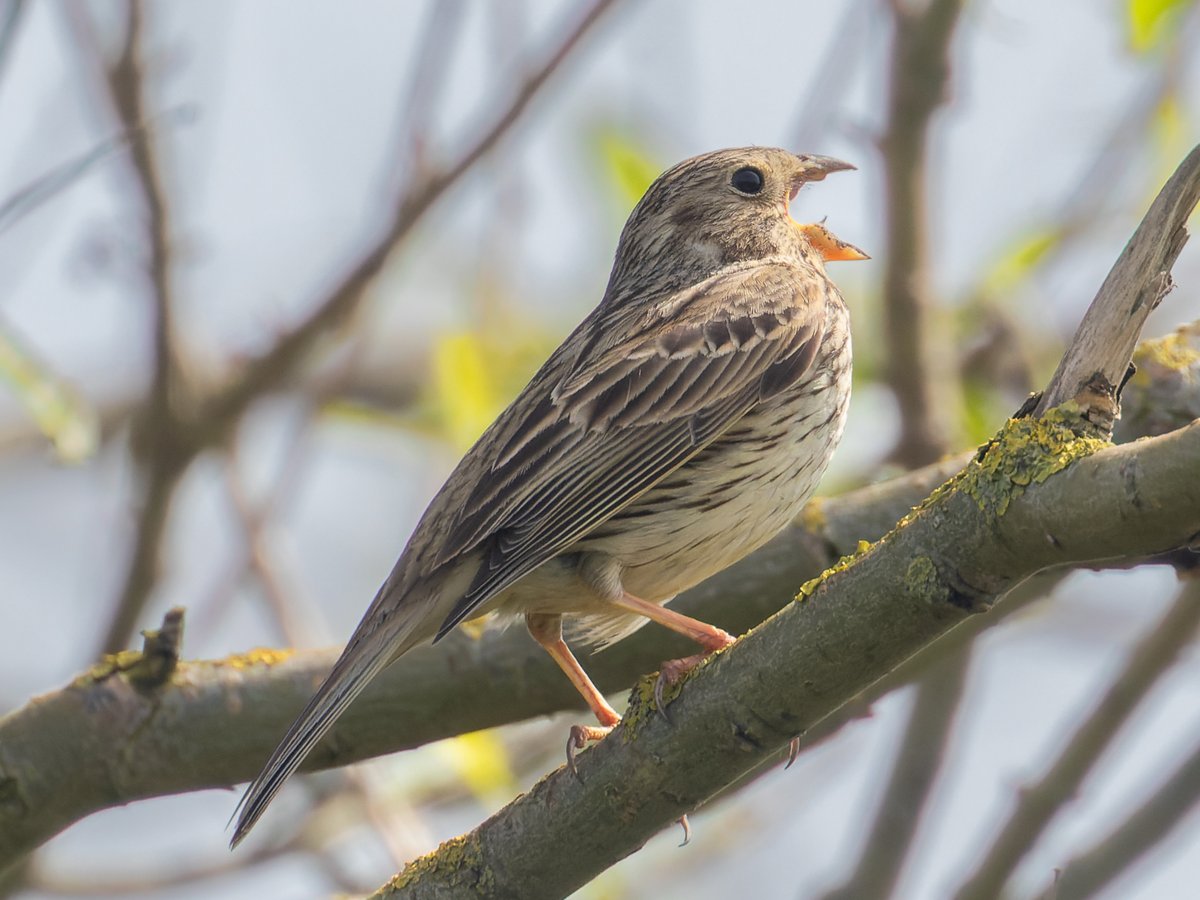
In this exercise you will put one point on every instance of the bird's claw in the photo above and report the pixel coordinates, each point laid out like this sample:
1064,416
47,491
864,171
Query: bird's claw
659,683
687,829
578,738
793,752
671,672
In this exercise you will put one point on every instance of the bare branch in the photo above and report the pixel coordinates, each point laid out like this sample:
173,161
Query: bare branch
155,434
425,85
267,371
1087,874
1153,658
1041,494
8,30
208,421
918,369
914,770
1094,366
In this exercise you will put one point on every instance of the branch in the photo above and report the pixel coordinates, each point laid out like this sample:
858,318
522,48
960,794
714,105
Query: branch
1099,354
917,365
179,737
209,421
1162,395
954,556
267,371
8,31
154,437
1153,658
917,763
1087,874
1042,494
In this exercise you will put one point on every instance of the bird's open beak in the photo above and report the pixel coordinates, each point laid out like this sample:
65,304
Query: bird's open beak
815,168
831,247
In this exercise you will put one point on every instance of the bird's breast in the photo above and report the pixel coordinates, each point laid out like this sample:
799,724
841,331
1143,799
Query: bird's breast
738,492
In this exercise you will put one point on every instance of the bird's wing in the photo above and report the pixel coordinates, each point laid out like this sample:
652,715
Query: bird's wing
596,427
627,413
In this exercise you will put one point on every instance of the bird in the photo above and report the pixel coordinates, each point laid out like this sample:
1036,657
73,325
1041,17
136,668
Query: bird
678,428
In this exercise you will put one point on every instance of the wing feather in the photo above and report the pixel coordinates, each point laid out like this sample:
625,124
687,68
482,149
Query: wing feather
631,412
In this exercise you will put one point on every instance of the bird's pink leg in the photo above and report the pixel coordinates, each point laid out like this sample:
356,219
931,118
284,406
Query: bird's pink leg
707,636
547,631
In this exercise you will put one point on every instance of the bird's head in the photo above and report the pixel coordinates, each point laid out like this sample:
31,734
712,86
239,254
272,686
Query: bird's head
720,208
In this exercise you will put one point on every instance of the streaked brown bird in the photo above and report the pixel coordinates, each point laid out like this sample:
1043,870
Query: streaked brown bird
678,428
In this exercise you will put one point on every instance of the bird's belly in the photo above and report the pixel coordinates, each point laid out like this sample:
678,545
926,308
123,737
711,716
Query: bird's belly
733,496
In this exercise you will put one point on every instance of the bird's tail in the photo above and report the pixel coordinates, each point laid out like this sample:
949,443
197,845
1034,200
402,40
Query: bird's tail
373,645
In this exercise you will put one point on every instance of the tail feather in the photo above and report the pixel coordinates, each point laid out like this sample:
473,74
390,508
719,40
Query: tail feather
370,650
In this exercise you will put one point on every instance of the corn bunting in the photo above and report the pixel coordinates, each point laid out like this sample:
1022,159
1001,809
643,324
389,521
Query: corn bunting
677,429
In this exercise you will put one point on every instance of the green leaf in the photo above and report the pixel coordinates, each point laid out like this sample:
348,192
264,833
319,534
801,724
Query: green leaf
60,413
629,167
464,390
1151,21
1020,260
476,373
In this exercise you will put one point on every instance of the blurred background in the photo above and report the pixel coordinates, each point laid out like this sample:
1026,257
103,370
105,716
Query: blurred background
186,189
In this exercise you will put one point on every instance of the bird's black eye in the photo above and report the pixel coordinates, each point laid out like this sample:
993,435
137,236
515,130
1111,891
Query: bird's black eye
747,180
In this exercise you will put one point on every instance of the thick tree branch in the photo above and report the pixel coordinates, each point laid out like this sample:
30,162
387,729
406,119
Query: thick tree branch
180,736
968,545
1042,494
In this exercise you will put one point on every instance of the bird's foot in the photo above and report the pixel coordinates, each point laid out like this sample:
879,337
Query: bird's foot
579,737
672,671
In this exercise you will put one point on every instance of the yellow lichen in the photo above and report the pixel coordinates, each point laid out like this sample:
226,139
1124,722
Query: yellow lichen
921,580
259,656
641,706
457,862
110,664
807,589
1027,451
1176,352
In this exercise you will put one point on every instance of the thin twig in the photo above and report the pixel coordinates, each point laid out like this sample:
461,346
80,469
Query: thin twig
917,361
916,766
8,31
297,630
1038,804
155,434
208,422
425,84
841,58
265,373
1090,872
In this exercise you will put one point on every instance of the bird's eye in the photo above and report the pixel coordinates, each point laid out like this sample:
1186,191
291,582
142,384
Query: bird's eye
747,180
